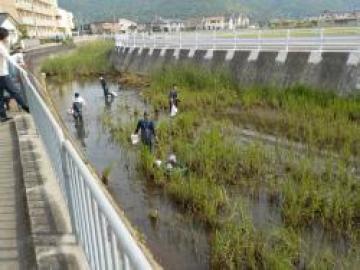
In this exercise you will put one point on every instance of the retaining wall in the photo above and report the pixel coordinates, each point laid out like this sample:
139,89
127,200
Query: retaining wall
328,70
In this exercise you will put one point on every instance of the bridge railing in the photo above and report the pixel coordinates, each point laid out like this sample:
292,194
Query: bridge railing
324,39
100,231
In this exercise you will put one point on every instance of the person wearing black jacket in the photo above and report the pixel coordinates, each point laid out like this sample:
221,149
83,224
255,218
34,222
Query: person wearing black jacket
147,129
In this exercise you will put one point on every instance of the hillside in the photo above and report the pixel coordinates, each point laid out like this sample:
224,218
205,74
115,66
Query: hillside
141,10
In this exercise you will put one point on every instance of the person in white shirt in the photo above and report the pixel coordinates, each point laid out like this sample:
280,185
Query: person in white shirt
6,82
77,107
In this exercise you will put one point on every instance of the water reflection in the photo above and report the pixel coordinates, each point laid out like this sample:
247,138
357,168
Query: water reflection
80,132
109,100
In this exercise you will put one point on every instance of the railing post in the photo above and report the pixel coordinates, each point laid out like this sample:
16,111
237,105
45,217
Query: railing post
235,39
288,33
259,39
214,39
180,40
154,35
143,40
196,40
68,195
321,40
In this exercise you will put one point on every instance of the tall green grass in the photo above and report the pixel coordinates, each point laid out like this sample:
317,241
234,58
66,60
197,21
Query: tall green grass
321,120
87,60
304,190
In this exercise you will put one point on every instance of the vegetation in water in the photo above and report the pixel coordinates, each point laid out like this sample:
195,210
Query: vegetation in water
86,60
307,190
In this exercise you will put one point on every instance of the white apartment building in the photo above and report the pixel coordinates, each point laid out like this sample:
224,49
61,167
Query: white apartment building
214,23
65,22
41,18
167,25
228,22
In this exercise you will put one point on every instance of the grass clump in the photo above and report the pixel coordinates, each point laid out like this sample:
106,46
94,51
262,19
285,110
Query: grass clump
329,196
321,120
87,60
196,195
242,246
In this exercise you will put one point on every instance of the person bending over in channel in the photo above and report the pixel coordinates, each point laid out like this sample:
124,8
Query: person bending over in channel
104,86
107,92
77,107
6,82
147,129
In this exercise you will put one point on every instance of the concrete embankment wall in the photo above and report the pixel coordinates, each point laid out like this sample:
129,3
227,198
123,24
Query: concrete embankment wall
328,70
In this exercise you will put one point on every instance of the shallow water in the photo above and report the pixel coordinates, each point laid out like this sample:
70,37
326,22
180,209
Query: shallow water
175,239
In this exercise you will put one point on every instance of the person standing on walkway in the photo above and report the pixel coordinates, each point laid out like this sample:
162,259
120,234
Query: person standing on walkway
147,129
5,80
18,57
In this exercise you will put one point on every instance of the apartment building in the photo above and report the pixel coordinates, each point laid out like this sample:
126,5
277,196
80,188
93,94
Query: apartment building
8,6
337,18
225,22
104,27
65,22
9,22
40,18
167,25
127,25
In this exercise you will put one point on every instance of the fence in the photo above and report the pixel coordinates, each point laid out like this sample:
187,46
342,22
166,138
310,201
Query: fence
106,241
325,39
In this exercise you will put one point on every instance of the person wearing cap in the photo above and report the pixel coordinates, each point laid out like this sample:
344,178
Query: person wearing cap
6,82
77,107
147,129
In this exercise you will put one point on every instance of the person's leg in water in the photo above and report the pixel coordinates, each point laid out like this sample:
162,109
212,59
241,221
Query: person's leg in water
149,144
13,92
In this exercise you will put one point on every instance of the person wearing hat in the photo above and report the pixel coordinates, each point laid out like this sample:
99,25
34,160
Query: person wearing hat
147,129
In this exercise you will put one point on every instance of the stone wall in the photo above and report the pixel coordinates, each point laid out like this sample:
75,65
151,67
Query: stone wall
337,71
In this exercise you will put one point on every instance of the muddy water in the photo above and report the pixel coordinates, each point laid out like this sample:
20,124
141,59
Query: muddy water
175,240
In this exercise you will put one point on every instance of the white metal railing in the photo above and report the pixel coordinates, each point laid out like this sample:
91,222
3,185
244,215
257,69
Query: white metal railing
324,39
100,231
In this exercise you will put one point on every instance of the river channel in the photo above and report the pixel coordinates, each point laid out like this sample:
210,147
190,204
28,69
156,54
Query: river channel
175,239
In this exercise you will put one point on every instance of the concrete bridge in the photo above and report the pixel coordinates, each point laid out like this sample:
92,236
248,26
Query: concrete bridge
54,211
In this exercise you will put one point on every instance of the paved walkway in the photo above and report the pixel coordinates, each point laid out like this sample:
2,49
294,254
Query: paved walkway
16,250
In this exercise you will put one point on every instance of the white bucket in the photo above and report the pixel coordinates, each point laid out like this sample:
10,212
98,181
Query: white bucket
174,111
135,139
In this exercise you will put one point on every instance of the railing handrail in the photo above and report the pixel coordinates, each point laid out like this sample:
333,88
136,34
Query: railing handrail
320,39
98,226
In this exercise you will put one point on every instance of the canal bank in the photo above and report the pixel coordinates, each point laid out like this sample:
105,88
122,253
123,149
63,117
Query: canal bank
253,169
